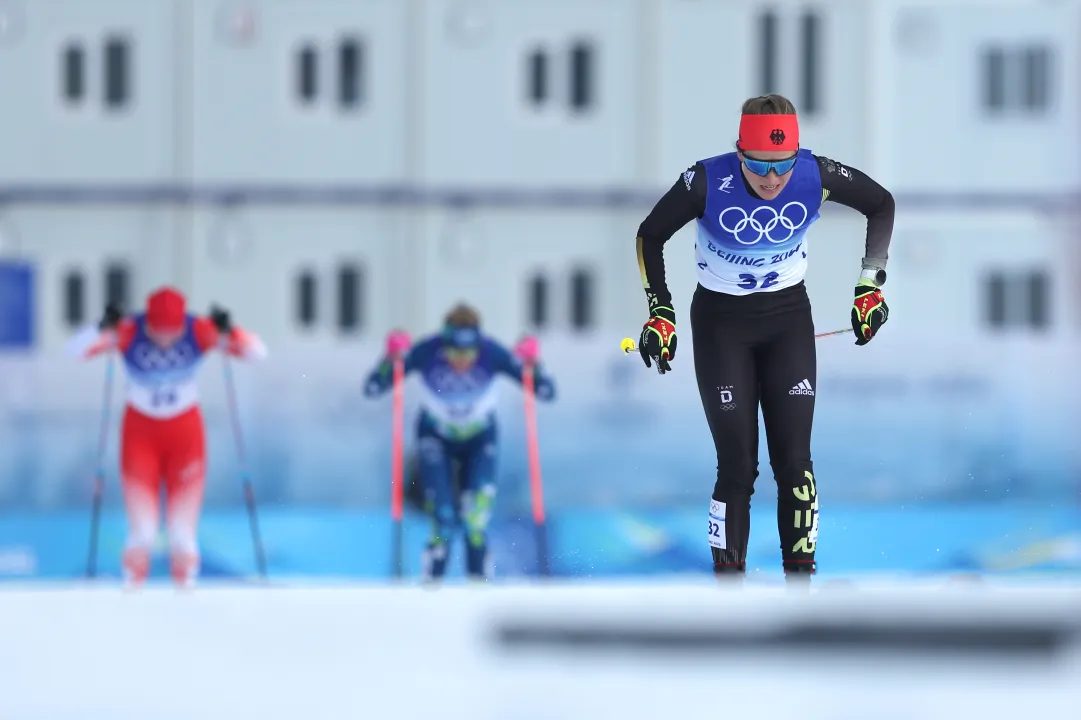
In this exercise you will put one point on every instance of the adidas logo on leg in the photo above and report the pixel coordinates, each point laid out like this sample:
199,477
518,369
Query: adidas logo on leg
803,388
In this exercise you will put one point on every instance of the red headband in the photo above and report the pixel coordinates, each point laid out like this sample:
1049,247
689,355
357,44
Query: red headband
763,133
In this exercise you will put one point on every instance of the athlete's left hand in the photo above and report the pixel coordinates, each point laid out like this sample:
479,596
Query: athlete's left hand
221,320
869,311
397,343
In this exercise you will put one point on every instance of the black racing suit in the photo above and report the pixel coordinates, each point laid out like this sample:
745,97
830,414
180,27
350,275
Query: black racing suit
759,350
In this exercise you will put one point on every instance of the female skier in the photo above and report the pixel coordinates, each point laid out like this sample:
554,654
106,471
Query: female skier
163,441
751,318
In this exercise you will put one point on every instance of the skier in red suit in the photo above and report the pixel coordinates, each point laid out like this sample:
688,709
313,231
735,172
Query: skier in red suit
163,441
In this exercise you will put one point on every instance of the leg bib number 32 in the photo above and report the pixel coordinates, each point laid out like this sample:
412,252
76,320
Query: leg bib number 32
716,525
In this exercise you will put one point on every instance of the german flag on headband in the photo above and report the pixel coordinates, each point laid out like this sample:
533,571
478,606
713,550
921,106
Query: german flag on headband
764,133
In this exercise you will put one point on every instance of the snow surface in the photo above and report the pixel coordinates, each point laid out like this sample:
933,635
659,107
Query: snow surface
381,652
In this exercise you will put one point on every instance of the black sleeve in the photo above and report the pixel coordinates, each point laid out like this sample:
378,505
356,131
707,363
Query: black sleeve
852,188
684,201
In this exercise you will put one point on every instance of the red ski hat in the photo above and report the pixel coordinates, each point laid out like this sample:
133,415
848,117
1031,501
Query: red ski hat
166,310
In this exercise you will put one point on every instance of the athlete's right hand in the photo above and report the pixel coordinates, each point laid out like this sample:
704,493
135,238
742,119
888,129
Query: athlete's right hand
528,350
658,339
110,318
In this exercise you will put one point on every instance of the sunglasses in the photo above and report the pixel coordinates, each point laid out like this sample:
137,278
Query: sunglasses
762,167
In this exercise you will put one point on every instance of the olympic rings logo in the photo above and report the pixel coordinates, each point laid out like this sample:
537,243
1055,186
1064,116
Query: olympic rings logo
151,357
784,218
443,380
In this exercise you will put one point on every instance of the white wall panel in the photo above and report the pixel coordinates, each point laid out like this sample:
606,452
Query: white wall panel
248,124
478,127
48,139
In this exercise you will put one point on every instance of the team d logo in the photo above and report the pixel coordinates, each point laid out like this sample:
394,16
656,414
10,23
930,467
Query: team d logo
763,223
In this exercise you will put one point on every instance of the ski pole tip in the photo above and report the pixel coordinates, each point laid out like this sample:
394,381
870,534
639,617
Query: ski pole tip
627,346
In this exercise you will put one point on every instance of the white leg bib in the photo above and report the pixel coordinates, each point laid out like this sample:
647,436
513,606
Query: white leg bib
716,525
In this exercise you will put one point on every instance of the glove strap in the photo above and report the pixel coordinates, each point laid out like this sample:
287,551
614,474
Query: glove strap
665,313
868,284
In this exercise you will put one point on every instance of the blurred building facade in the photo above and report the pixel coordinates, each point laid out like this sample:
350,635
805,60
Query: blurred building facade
330,169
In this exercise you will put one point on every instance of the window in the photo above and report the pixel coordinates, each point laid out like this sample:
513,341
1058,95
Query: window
307,77
306,298
73,73
350,300
347,69
350,73
537,289
767,58
118,284
1036,84
117,72
74,298
811,67
582,298
1017,80
1038,291
537,77
1018,300
579,73
995,301
994,79
582,80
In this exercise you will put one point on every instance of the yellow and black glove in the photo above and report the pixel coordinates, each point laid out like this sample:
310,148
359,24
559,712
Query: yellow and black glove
869,311
658,339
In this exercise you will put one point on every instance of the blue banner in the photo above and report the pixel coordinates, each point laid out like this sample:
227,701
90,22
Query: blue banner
16,305
852,541
960,428
352,544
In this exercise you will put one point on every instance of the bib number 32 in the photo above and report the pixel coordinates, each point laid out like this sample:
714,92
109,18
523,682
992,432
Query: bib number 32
751,282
